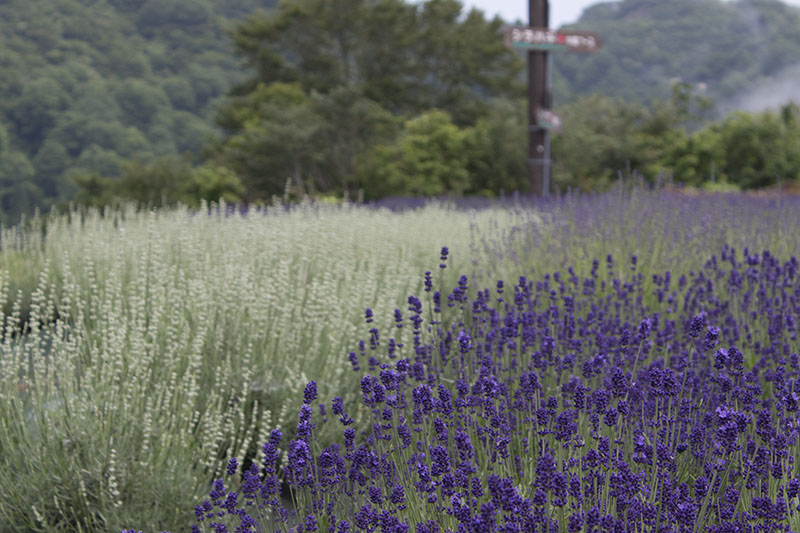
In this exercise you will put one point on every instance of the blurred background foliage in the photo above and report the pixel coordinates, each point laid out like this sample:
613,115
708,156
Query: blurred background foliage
168,101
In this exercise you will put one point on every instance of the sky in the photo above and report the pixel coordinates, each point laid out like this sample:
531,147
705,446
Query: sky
561,11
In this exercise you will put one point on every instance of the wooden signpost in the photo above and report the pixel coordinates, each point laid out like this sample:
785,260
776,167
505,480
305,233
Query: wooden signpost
539,41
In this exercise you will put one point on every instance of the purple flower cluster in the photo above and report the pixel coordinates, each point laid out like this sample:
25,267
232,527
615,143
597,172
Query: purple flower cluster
597,404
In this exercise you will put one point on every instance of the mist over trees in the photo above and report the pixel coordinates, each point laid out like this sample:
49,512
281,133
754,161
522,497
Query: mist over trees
166,101
728,48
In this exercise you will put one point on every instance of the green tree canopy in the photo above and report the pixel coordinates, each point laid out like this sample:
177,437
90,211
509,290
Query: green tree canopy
498,149
603,136
80,74
165,181
749,150
155,13
275,140
141,101
37,108
408,58
429,158
18,191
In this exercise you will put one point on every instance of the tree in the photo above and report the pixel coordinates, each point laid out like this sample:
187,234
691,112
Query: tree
37,108
497,147
311,42
155,13
163,182
76,132
599,138
141,101
335,80
97,101
464,61
761,149
212,184
429,158
748,150
92,189
99,160
180,92
157,184
274,141
191,133
18,192
49,162
603,136
350,125
405,57
699,158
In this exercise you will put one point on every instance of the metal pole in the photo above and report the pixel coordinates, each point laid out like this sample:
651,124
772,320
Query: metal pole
538,99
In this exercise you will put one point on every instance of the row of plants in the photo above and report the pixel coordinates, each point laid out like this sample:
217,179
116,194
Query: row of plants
140,347
140,350
565,403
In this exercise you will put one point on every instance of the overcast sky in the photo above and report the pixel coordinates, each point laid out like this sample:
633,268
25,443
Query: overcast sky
561,11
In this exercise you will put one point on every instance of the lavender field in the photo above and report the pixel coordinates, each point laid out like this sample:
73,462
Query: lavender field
623,362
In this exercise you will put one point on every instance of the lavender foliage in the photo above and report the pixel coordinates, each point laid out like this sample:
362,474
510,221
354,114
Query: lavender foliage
622,400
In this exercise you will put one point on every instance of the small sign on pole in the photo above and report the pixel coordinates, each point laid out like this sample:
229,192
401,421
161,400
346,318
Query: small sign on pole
545,39
549,120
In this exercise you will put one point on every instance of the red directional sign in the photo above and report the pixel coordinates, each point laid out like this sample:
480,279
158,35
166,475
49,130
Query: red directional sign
545,39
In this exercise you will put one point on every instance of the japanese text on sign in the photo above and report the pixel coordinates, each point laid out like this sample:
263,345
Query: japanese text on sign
543,38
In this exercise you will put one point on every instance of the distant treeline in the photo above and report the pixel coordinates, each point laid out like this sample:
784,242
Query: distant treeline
180,100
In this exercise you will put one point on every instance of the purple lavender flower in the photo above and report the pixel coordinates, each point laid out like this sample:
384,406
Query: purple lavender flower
464,341
354,361
441,460
445,403
423,398
696,325
230,502
375,495
712,337
440,428
575,523
366,517
305,413
428,527
310,392
398,496
645,328
405,435
631,379
337,405
232,466
349,438
217,492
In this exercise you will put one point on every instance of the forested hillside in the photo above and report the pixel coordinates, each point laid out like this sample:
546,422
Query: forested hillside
86,85
730,48
98,98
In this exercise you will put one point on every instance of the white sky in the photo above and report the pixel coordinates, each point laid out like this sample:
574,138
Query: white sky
561,11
